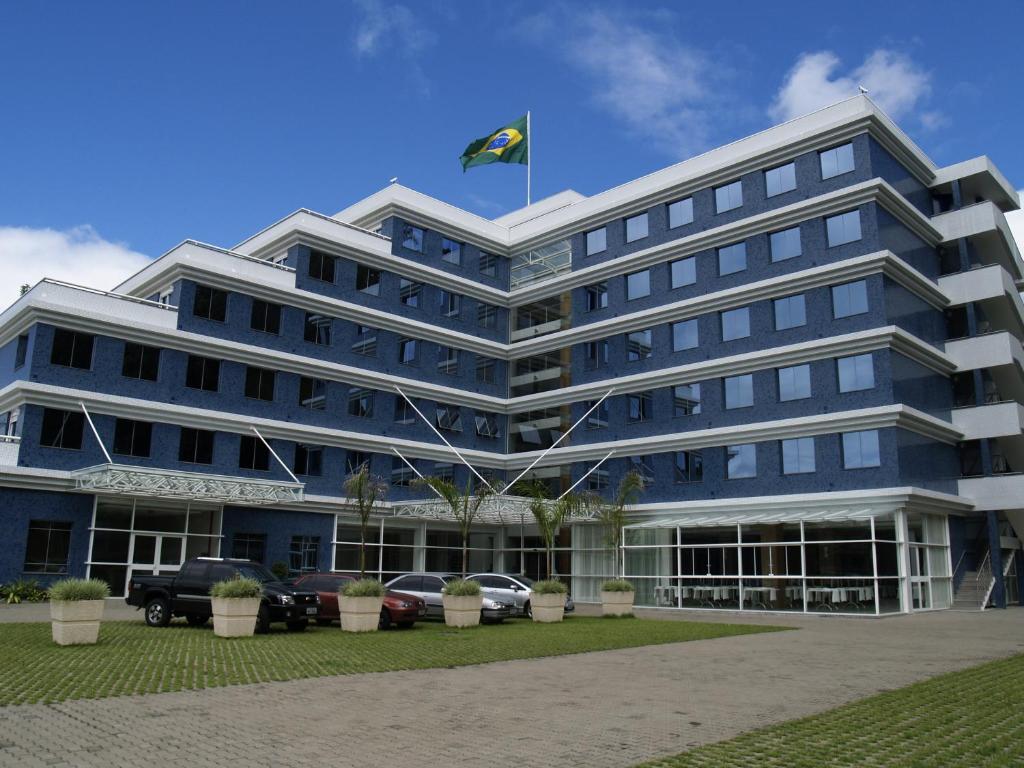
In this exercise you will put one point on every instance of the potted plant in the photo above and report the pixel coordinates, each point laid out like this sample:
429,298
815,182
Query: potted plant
547,601
464,504
359,604
613,514
365,491
236,605
617,598
76,608
463,602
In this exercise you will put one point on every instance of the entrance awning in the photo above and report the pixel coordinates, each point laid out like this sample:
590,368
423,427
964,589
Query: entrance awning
500,509
725,518
192,486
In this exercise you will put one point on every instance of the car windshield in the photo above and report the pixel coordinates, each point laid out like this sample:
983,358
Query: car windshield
258,572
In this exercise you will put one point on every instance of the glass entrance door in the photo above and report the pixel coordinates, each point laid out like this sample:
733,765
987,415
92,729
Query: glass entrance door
156,554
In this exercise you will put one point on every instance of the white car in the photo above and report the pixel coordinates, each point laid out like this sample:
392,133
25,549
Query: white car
515,590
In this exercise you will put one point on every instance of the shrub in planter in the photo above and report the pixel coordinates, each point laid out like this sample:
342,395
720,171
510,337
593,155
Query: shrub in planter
617,598
76,608
236,605
359,603
463,602
547,601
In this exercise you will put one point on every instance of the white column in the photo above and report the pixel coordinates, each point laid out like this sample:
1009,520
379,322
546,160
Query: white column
903,557
874,564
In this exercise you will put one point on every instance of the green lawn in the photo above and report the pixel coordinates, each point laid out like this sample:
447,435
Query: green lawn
969,719
133,658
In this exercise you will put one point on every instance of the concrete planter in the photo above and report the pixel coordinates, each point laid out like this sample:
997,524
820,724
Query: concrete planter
462,610
360,614
547,609
617,603
235,616
76,622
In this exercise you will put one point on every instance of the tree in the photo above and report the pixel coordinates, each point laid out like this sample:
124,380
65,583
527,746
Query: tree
25,288
463,504
612,514
366,492
551,514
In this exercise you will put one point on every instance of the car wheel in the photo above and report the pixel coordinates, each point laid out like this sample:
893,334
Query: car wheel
158,612
297,626
385,619
263,620
197,620
528,611
406,624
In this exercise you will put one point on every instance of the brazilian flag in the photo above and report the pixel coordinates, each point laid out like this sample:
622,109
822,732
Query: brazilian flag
506,145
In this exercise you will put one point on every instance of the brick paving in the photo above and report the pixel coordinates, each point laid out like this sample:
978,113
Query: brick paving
612,708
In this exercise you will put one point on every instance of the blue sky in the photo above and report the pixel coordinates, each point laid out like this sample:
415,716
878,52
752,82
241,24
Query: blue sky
129,127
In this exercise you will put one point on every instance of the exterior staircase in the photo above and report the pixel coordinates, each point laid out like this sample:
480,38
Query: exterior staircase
973,590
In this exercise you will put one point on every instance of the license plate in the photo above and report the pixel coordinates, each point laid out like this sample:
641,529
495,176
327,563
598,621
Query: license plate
312,610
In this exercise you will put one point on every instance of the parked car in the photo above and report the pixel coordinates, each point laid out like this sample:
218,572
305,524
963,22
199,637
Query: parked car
515,590
187,594
399,608
429,585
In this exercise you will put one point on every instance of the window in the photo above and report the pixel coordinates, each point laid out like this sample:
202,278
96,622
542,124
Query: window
684,271
412,238
736,324
598,418
595,354
368,280
795,382
640,406
739,391
140,362
836,161
860,449
451,251
304,554
253,454
259,383
210,303
317,329
597,241
407,351
741,461
366,341
62,429
849,299
790,312
312,393
265,317
488,264
309,460
404,413
444,471
732,258
856,372
785,244
780,179
638,284
71,349
448,418
409,292
322,266
597,296
843,228
447,360
132,438
202,373
21,353
485,368
249,546
47,548
597,479
402,475
688,467
451,303
643,466
195,446
680,212
728,197
487,425
636,227
686,400
684,335
486,315
360,402
355,461
638,345
798,456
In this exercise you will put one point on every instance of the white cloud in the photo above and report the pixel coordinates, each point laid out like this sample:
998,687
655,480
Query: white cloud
394,30
77,255
893,80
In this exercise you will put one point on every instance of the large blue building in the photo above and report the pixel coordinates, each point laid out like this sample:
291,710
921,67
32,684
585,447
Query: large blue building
808,342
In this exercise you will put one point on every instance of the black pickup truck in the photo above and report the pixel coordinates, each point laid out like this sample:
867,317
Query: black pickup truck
187,594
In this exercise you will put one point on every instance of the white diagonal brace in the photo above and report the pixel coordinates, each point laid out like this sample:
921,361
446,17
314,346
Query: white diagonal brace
586,475
418,473
274,454
95,433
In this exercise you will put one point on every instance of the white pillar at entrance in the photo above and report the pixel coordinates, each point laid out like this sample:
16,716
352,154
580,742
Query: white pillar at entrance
903,549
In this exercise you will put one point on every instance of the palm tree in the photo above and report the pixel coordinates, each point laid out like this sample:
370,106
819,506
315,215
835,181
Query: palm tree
612,514
551,515
464,504
366,492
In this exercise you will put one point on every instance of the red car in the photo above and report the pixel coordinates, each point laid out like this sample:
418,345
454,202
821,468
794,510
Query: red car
399,608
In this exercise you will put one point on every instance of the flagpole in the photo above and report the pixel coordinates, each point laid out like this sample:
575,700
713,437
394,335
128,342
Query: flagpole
529,156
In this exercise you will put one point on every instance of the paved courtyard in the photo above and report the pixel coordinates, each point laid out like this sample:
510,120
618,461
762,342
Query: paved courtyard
612,708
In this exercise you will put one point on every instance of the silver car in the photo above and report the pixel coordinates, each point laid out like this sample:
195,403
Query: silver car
429,586
516,590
